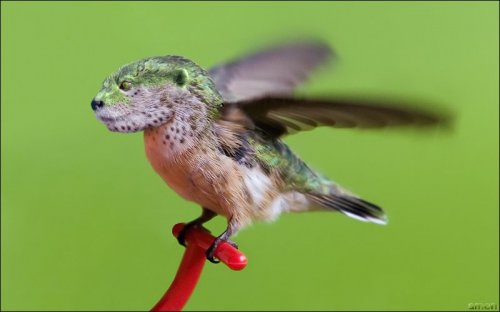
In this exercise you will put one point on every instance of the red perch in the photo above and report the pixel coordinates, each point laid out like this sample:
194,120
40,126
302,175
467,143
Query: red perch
188,274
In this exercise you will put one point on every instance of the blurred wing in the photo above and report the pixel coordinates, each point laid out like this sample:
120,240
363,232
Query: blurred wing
276,71
281,116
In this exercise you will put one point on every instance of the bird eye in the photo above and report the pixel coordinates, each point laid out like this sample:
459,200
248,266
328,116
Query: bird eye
125,85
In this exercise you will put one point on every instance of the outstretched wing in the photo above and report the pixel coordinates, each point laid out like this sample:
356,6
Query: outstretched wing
272,72
280,116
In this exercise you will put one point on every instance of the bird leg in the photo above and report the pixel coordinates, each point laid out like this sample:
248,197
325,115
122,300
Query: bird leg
224,237
206,215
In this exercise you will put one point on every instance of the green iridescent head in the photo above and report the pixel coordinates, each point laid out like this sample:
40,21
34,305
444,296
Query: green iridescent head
150,92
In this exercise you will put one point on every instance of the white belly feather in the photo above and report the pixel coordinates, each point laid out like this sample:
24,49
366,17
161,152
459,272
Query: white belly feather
268,204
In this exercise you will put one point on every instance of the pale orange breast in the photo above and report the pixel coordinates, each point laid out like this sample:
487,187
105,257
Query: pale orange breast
200,174
195,172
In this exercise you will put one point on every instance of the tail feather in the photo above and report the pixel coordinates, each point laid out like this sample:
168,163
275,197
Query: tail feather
353,207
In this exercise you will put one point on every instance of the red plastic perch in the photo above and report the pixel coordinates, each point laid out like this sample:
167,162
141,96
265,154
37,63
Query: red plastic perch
197,241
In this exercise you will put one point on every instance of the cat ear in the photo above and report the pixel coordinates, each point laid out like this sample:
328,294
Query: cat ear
181,77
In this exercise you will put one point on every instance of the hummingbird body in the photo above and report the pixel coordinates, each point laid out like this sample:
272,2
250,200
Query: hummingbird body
215,137
242,187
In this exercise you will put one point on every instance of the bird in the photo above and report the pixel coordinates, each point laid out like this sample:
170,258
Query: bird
216,136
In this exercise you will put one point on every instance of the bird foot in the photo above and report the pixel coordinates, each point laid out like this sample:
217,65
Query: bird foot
211,250
181,238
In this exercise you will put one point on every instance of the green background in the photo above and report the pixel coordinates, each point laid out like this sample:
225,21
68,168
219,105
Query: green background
86,222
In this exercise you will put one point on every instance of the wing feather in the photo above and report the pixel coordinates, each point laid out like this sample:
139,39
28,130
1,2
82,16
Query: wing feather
275,71
279,116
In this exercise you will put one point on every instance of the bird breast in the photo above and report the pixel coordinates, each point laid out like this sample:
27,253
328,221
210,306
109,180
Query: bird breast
204,175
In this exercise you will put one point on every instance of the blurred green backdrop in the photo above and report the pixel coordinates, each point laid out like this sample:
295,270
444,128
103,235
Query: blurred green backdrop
86,222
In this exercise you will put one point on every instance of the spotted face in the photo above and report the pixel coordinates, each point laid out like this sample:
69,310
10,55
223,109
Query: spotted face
151,92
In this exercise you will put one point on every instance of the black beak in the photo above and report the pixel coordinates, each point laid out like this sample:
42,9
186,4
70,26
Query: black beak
96,104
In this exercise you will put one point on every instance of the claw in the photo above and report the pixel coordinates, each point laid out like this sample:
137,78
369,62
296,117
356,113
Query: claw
211,250
230,242
210,257
206,215
181,238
